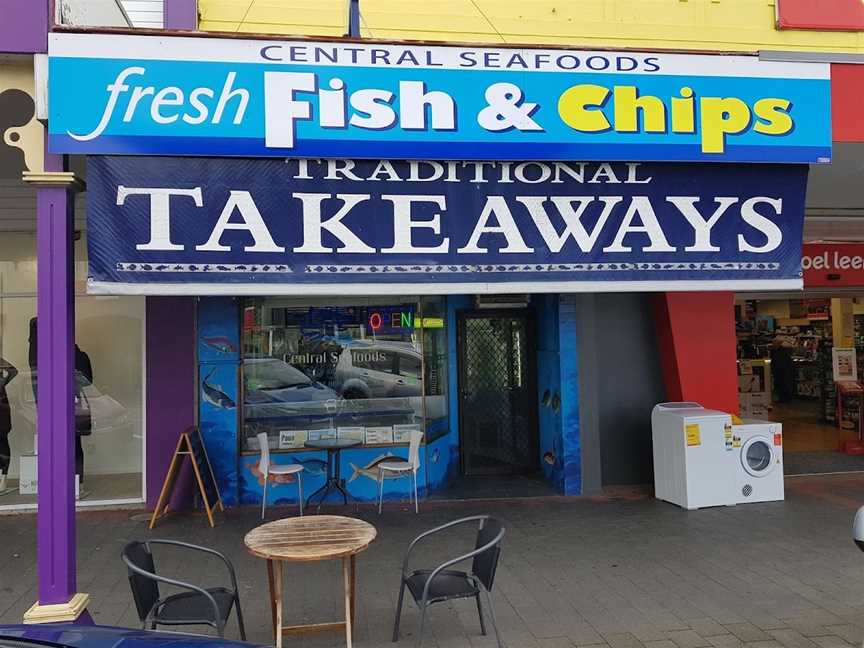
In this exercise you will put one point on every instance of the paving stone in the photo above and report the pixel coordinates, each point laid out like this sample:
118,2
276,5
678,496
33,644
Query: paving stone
663,643
832,641
725,641
707,627
688,639
792,638
747,632
850,633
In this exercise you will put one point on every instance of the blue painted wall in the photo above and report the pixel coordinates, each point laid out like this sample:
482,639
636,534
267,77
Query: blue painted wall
569,371
549,390
218,350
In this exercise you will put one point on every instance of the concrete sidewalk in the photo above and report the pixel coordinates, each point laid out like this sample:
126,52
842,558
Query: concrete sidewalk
616,572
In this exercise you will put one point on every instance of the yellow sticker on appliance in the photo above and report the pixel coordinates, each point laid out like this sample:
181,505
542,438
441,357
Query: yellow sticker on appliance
727,431
694,438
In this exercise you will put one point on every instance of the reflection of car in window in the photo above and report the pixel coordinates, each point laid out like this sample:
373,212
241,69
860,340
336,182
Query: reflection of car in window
277,394
379,370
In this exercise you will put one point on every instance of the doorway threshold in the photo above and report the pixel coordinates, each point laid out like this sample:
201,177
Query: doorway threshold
495,487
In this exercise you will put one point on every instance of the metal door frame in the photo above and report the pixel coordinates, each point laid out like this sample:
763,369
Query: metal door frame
527,314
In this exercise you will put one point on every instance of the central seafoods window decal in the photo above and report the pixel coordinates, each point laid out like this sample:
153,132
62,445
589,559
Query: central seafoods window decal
239,226
197,96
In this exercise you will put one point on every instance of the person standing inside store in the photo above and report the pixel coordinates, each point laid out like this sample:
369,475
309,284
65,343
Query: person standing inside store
782,371
82,378
7,375
83,415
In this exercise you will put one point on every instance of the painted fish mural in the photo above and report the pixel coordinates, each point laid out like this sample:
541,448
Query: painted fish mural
370,470
435,456
313,466
214,395
255,469
220,343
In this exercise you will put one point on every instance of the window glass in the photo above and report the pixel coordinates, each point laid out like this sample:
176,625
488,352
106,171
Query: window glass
108,382
317,368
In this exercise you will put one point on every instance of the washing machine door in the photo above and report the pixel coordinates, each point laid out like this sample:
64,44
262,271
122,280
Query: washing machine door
757,456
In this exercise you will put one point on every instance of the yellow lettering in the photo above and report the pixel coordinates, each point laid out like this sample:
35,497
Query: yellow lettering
579,108
774,117
722,116
628,103
683,119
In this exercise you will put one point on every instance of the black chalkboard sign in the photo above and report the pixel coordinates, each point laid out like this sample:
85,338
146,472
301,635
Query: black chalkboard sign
190,445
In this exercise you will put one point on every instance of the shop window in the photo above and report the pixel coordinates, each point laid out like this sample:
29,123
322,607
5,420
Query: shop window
316,368
108,383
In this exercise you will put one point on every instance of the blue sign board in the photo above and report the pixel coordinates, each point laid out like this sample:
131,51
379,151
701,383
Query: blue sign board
335,227
162,95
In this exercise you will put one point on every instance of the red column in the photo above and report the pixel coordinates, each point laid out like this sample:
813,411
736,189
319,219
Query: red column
696,340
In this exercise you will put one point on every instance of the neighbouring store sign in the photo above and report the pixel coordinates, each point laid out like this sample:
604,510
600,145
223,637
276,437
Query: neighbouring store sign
828,265
163,95
330,227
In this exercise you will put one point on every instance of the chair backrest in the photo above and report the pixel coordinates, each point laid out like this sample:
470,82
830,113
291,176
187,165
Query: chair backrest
486,563
145,591
264,444
414,448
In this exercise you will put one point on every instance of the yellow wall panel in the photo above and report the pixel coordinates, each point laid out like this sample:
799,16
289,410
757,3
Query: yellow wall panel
726,25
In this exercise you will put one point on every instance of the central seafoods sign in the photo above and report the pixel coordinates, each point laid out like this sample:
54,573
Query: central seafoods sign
164,95
329,227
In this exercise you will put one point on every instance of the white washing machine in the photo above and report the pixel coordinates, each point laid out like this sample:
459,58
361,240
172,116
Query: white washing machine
758,446
692,466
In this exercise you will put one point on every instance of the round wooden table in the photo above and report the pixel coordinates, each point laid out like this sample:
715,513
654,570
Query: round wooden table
305,539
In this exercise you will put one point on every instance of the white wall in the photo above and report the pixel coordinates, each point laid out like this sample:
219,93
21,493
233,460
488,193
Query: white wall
144,13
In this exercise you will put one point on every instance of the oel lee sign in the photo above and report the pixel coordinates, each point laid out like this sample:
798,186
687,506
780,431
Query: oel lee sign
828,265
239,226
165,95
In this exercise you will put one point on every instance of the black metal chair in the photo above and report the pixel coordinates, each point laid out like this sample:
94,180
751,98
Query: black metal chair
197,606
443,584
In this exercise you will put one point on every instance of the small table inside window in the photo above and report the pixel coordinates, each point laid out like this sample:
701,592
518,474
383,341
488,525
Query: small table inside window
334,479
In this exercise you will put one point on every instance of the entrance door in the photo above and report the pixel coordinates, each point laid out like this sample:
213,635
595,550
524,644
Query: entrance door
497,394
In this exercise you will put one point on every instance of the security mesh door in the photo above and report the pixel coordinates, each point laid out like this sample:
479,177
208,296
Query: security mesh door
498,422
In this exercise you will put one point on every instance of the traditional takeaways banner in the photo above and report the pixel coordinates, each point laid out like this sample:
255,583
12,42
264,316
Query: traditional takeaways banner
165,95
238,226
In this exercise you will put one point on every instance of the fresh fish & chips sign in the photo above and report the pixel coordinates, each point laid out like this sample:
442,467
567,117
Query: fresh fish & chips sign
162,95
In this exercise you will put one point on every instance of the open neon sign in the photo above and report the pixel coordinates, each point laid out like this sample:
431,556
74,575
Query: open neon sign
378,320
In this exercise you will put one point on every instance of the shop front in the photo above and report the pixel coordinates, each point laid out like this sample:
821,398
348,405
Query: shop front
365,242
801,360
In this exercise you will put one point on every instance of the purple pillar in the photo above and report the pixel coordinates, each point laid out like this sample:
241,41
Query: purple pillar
55,412
181,14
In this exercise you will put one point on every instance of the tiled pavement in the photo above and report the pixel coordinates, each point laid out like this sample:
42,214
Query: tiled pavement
613,572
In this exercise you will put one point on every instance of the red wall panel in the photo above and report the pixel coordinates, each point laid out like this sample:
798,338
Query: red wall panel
837,15
696,339
847,102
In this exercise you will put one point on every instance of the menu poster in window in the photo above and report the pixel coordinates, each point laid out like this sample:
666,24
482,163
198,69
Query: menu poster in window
356,433
379,435
321,435
291,439
845,364
402,433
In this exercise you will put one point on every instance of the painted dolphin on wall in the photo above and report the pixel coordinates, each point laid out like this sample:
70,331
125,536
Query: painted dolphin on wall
214,395
313,466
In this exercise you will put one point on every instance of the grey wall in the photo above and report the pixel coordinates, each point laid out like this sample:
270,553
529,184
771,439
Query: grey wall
620,381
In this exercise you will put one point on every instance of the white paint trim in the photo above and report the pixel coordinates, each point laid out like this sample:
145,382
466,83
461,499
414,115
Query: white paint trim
144,404
230,50
109,503
312,290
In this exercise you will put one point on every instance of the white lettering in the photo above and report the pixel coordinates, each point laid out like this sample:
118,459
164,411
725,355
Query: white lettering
281,110
640,206
572,218
114,89
701,228
160,213
404,225
252,223
772,233
496,206
313,225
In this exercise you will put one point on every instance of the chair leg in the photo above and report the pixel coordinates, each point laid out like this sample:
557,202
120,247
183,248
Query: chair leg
398,612
264,499
416,503
494,620
422,623
300,486
240,617
380,491
480,614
